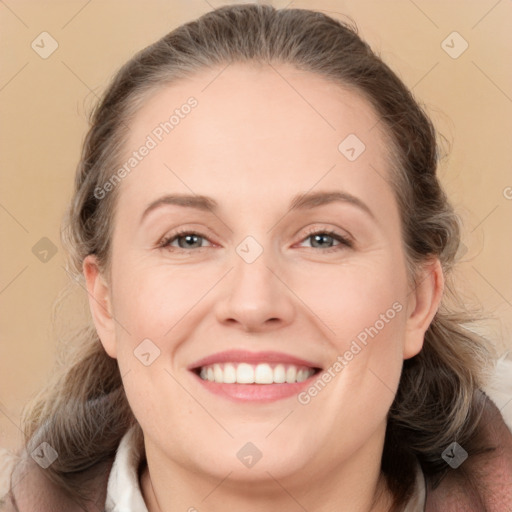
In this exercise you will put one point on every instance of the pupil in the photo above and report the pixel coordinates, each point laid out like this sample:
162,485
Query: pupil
320,238
189,239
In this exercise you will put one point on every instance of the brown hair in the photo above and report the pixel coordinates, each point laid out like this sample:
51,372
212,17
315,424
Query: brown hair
84,412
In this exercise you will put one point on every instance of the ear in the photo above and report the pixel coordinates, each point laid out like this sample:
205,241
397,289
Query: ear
100,304
424,301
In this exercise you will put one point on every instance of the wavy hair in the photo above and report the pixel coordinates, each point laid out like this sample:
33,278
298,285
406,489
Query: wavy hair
83,412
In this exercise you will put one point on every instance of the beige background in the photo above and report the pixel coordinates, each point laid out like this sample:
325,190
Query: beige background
44,105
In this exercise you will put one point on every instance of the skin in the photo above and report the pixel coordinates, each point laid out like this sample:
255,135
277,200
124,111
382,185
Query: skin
252,144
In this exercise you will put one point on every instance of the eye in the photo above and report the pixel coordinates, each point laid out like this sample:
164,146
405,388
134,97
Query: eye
324,239
185,240
320,239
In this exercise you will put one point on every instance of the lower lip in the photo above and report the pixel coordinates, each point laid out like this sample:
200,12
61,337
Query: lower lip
256,392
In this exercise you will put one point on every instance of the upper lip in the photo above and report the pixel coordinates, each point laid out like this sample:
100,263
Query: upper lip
245,356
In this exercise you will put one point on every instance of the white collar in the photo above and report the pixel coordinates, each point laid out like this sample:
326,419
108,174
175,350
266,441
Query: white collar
124,493
417,501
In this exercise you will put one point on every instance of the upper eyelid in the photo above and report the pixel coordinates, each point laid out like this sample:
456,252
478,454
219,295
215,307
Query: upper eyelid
166,240
330,231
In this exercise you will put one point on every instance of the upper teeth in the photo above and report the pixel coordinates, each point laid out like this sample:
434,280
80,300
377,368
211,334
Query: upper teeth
244,373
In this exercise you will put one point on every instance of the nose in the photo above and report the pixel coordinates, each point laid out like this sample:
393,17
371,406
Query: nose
255,297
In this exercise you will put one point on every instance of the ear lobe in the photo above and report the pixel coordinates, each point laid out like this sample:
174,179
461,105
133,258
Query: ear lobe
100,304
423,305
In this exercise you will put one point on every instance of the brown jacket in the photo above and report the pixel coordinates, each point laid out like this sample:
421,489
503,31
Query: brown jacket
481,484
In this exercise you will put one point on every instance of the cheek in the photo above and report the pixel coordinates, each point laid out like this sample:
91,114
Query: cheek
158,305
356,300
151,301
365,311
361,309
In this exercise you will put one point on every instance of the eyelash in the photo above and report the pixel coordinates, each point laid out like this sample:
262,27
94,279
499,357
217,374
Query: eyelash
344,242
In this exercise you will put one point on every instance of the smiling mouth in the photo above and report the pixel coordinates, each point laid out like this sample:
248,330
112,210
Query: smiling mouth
262,373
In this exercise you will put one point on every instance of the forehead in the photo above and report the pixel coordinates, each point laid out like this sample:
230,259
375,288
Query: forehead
251,127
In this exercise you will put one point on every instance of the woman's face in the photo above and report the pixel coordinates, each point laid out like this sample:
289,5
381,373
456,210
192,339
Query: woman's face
252,292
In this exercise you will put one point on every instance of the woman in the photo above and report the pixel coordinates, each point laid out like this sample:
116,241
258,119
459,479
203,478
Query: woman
266,249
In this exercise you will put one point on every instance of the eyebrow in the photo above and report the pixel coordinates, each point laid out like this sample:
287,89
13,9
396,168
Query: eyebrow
299,202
